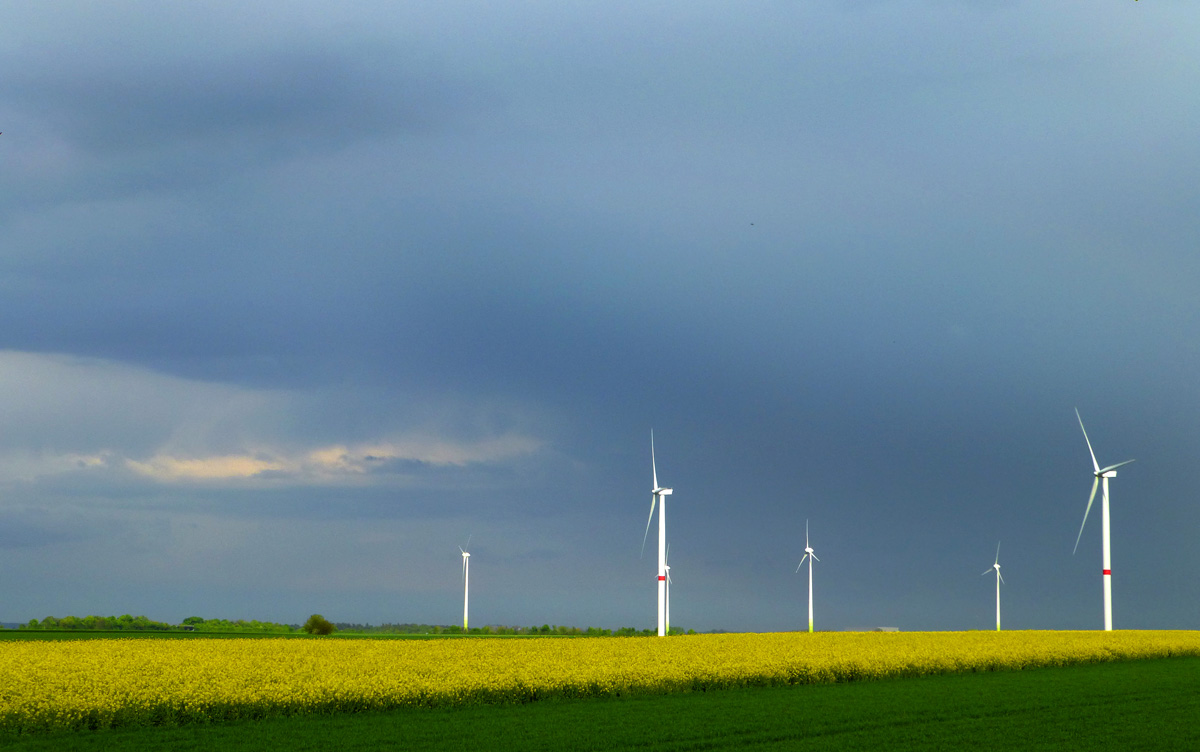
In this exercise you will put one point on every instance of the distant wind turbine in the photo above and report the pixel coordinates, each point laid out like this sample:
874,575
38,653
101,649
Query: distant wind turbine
808,554
999,579
1102,474
466,579
658,495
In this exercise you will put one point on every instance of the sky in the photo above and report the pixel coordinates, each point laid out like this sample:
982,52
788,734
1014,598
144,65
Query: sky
298,298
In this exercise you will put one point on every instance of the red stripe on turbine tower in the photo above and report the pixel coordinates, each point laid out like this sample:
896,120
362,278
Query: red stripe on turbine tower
662,577
1108,571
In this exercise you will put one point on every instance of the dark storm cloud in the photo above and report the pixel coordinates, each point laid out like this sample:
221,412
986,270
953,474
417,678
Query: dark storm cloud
170,124
258,96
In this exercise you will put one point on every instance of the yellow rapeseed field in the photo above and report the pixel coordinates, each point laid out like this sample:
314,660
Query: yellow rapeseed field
77,684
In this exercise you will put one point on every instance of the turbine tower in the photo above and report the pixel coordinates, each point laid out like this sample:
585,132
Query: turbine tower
808,554
667,567
999,579
1102,474
466,580
659,495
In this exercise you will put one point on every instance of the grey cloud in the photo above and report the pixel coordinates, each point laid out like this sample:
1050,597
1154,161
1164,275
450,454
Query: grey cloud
317,98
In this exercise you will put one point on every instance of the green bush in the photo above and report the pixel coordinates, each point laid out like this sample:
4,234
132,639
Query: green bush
319,625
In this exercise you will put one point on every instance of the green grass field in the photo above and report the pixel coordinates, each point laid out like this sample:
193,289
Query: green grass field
1119,706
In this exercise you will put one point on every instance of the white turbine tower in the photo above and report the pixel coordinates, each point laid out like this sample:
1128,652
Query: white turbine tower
658,495
999,579
1102,474
808,554
667,567
466,579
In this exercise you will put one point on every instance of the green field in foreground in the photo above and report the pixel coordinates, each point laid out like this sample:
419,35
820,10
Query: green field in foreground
1152,704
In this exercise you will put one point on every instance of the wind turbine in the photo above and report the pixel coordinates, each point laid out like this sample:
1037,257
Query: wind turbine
658,495
999,579
808,554
1102,474
466,579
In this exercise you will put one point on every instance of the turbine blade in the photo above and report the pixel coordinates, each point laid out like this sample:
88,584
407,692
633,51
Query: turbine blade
647,533
997,552
806,533
653,467
989,570
1085,514
469,537
1114,467
801,562
1095,464
1000,576
815,557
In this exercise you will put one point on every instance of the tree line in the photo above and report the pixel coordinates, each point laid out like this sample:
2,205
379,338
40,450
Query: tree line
201,624
495,629
141,623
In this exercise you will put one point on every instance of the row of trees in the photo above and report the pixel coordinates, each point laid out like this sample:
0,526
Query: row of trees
545,629
125,622
200,624
318,624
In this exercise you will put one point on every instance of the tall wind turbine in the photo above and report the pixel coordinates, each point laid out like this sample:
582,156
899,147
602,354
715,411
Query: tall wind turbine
466,579
1102,474
808,554
658,495
999,579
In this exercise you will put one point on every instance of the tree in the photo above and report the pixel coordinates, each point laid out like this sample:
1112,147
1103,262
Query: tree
318,625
